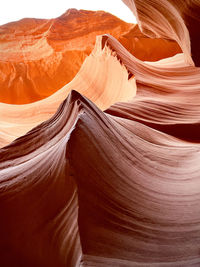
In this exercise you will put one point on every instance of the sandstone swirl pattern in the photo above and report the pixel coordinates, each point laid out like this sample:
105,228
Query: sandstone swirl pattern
38,57
118,187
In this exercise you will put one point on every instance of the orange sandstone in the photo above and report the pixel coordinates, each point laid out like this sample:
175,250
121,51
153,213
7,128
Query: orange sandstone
40,56
113,188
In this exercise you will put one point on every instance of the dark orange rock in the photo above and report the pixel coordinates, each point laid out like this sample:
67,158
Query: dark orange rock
148,49
40,56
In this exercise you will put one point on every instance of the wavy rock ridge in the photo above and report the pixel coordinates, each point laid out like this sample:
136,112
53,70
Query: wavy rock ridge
39,57
108,188
178,20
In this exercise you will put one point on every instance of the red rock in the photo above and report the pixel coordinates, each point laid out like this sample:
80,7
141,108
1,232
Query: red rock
173,20
38,57
119,187
148,49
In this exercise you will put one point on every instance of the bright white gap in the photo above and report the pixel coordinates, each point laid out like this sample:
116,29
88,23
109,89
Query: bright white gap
12,10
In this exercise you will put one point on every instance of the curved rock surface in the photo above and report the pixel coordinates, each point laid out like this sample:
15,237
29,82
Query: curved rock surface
100,85
38,57
109,176
175,20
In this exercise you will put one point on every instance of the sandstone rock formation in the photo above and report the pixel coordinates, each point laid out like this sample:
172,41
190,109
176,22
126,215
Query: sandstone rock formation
109,176
39,57
100,85
148,49
175,20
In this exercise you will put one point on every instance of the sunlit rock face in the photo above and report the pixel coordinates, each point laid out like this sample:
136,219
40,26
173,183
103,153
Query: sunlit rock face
174,20
105,171
95,80
38,57
148,49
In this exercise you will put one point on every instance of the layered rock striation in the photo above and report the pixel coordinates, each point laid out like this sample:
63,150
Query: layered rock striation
105,172
39,57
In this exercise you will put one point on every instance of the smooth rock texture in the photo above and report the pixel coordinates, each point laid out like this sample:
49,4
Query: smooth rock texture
174,20
39,57
108,173
101,87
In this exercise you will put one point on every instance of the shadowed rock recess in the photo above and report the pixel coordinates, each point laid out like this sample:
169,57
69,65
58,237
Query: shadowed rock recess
99,165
